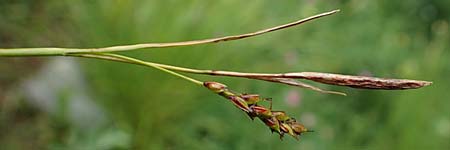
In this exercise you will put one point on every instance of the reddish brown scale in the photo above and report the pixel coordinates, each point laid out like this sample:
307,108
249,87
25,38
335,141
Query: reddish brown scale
273,124
288,129
240,103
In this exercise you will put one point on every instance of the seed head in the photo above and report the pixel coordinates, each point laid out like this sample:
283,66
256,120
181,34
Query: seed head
277,121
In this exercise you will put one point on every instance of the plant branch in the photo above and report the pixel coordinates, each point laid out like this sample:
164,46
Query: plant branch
287,78
291,82
51,51
121,58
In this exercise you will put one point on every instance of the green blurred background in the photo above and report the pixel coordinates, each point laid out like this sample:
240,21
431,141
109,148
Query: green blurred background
147,109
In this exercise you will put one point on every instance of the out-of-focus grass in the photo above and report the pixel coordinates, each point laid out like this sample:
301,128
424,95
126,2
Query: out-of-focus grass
380,38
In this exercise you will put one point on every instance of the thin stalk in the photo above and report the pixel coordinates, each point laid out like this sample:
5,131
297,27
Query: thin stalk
52,51
140,62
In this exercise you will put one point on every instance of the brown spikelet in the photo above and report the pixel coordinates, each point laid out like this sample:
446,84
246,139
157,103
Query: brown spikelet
277,121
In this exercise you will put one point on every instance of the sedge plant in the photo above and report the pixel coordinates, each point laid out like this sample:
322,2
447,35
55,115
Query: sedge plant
277,121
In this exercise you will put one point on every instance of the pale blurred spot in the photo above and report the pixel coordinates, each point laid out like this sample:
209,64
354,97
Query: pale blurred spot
291,58
308,119
365,73
327,133
442,127
293,98
61,85
440,27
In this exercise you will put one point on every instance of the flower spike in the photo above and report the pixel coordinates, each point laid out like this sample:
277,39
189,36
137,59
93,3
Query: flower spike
277,121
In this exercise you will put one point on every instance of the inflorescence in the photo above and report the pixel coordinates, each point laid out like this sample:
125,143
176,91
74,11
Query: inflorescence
277,121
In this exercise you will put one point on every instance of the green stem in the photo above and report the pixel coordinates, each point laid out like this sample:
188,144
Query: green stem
53,51
137,61
22,52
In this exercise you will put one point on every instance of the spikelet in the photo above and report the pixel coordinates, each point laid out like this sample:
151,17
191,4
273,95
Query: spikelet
277,121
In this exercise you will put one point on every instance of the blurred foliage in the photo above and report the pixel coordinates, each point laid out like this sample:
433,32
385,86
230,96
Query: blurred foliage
380,38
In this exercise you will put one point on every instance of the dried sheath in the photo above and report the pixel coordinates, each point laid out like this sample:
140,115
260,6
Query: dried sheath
362,82
359,81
